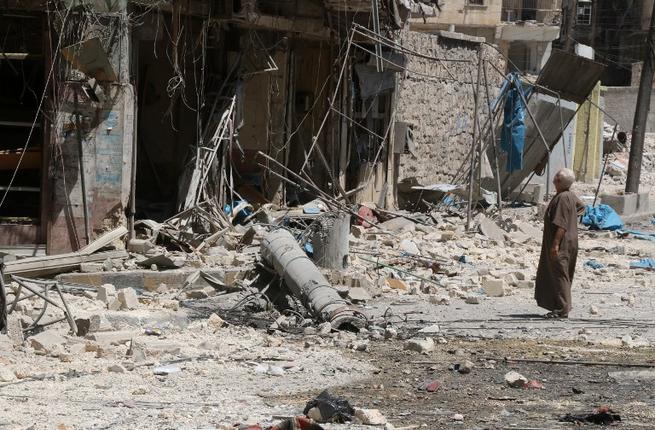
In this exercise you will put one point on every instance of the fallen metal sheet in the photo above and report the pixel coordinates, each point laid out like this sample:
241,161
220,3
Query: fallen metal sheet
570,75
90,57
547,114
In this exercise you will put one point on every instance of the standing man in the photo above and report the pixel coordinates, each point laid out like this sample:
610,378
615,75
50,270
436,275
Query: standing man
559,248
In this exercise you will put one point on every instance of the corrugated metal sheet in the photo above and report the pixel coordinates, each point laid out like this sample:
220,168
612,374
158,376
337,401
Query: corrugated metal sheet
572,76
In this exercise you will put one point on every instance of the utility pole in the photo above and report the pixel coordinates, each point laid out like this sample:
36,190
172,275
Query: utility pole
641,113
568,22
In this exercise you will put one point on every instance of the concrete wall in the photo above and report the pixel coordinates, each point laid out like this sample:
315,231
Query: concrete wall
621,102
441,108
105,133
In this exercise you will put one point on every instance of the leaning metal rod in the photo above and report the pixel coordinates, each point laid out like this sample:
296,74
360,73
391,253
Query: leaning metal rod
469,206
3,300
334,97
602,173
499,197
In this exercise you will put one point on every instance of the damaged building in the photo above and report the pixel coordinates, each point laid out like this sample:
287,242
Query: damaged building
126,111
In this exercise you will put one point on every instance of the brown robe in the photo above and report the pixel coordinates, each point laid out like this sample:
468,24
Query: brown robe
554,277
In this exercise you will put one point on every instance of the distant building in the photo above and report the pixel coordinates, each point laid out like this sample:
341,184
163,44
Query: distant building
616,30
522,29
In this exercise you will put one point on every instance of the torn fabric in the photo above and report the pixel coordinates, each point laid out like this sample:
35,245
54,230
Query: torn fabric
512,137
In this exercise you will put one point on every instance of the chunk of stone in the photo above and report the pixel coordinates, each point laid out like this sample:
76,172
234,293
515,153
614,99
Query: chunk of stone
15,329
215,322
396,284
515,379
128,299
6,374
106,293
526,284
465,367
593,310
358,294
473,299
432,329
490,229
46,341
357,231
410,247
91,267
422,345
117,368
493,287
370,417
458,417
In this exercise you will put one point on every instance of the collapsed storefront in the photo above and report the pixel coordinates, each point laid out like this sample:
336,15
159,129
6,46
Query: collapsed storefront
143,110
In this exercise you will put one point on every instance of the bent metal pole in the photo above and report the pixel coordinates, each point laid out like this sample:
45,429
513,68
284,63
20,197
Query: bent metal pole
304,280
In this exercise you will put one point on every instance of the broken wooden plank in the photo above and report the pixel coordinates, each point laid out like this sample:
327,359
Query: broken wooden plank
104,240
52,264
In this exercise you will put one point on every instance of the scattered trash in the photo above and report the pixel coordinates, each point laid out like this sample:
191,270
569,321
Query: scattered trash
533,384
430,386
332,409
601,217
166,370
593,264
604,416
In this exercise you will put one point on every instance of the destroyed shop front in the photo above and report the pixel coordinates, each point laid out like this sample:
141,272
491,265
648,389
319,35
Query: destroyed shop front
112,114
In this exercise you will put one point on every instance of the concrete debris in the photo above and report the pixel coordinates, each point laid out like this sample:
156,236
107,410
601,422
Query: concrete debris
6,374
515,379
106,293
422,345
371,417
491,230
493,287
409,246
128,298
46,342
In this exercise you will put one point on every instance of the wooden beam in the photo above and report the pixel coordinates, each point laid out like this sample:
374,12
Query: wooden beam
104,240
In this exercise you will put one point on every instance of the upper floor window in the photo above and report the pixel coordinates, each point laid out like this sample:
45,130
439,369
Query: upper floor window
584,12
475,2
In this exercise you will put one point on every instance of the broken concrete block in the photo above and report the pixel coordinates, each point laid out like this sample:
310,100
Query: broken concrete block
432,329
128,299
525,284
370,417
398,224
116,368
91,267
137,351
106,293
358,294
490,229
107,338
15,330
409,246
357,231
493,287
422,345
446,236
511,279
140,246
200,293
473,299
6,374
465,367
114,304
46,341
515,379
215,322
396,284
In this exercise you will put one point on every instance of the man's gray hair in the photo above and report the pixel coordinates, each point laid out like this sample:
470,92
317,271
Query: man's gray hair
567,176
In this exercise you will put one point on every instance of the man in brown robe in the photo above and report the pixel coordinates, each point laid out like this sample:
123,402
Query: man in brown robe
559,248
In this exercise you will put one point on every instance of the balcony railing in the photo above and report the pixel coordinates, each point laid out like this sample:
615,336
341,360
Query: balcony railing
546,11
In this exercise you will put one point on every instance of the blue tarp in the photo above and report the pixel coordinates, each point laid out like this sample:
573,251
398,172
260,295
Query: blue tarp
640,234
644,263
594,264
512,137
601,217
